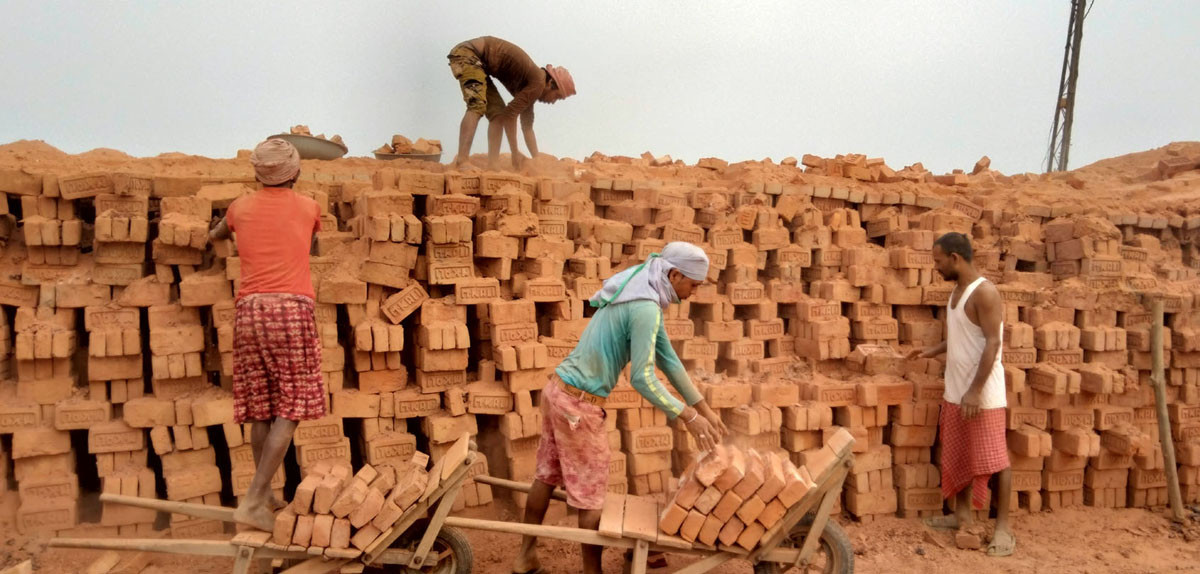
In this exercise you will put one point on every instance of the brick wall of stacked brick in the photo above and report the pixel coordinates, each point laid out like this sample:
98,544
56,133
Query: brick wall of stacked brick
445,299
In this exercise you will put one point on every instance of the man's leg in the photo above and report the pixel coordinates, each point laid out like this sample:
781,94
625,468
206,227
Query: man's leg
495,133
466,135
258,436
254,509
962,507
536,505
592,555
1003,540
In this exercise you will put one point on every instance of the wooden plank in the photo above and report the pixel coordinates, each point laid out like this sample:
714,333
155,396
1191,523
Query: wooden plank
456,455
25,567
194,547
819,521
640,553
641,518
316,565
393,556
191,509
252,538
565,533
104,563
558,494
245,557
435,526
673,542
612,516
705,564
435,480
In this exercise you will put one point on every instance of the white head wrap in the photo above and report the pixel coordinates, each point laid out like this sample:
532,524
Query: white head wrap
648,281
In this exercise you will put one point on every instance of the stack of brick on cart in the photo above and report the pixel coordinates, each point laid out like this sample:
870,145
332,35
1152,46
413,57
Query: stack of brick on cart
445,299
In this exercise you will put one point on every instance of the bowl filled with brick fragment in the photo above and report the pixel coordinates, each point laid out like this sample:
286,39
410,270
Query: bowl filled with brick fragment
313,147
404,148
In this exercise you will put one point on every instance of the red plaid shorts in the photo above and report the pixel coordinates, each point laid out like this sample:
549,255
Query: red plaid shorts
276,359
972,451
573,450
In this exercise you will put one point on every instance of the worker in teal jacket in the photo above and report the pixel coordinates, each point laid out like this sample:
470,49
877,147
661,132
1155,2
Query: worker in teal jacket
628,329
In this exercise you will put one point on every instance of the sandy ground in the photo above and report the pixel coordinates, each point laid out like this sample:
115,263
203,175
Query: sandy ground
1086,540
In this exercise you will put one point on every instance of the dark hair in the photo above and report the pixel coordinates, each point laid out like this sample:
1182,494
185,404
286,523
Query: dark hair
955,243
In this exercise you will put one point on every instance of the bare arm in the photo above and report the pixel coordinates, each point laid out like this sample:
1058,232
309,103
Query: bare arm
928,353
510,133
990,311
935,351
221,231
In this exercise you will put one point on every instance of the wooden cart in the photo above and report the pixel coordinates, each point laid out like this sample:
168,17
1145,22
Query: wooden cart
427,539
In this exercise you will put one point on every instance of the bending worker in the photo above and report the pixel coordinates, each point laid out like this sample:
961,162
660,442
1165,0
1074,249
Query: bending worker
628,328
474,64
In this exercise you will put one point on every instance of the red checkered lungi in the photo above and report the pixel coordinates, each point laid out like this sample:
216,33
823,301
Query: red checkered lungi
972,451
276,359
573,450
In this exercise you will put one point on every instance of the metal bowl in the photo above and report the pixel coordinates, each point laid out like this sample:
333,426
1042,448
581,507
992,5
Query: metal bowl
433,157
313,147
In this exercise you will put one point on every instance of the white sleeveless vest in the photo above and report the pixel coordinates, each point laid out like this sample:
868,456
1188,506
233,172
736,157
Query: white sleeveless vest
964,346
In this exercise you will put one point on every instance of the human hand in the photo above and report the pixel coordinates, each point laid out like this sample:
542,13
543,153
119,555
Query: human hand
715,420
971,403
915,354
703,431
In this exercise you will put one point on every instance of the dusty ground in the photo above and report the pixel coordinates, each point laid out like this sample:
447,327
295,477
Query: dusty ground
1091,541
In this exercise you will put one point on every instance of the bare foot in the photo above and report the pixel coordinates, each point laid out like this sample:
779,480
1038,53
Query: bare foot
526,564
257,516
275,504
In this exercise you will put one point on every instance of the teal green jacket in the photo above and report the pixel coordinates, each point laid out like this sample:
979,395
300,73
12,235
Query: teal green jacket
629,333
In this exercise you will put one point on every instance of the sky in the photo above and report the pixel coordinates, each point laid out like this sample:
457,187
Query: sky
938,82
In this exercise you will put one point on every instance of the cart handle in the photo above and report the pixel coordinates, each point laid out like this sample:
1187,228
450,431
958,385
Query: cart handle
558,493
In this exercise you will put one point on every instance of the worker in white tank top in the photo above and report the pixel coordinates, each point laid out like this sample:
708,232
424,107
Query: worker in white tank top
972,421
965,346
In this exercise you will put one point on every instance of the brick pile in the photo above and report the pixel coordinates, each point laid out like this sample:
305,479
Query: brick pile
333,509
735,495
444,299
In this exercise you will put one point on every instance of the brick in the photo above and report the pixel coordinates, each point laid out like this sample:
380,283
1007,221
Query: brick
707,500
672,518
729,504
148,412
750,509
691,526
750,537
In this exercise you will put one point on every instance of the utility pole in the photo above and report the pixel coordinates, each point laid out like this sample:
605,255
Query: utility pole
1064,106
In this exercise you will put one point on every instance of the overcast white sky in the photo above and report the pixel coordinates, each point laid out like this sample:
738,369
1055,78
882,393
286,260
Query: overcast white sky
938,82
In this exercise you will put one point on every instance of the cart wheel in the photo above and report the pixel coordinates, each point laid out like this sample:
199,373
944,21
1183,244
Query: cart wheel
456,556
834,554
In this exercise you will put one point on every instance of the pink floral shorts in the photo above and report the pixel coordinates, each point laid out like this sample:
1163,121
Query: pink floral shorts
573,450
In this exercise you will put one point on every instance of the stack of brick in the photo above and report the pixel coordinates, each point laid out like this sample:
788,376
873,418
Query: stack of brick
182,236
646,445
45,345
734,496
334,510
52,232
830,267
47,486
